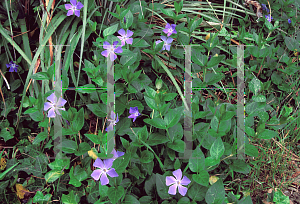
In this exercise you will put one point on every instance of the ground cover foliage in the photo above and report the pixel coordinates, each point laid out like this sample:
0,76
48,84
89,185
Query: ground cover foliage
145,41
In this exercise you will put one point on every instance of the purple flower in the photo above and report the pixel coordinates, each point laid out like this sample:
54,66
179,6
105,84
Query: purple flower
269,18
289,21
170,29
125,36
104,169
74,7
116,154
112,121
209,57
53,105
12,66
111,50
166,44
134,113
178,182
264,7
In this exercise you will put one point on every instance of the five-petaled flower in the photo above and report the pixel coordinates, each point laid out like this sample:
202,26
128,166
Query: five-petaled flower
111,50
104,168
116,154
125,36
170,29
269,18
12,66
112,121
134,113
74,7
178,182
167,43
54,105
289,21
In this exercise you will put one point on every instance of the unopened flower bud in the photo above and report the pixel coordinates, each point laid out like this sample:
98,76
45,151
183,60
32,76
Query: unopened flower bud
158,83
124,20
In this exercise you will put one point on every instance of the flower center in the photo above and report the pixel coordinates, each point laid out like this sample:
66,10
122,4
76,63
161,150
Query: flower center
111,49
170,30
74,8
178,182
13,65
104,170
136,114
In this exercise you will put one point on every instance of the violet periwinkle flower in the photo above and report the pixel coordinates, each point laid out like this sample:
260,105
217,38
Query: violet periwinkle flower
170,29
116,154
74,7
289,21
178,182
269,18
104,168
125,36
264,7
167,43
54,105
111,50
134,113
112,121
12,66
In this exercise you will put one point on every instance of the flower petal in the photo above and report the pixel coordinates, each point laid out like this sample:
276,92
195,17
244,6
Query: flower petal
112,173
129,41
47,105
77,13
178,174
129,33
118,50
169,40
108,163
157,42
122,32
105,53
164,38
11,69
98,163
168,47
51,113
113,56
117,118
112,115
61,102
182,190
168,26
79,5
68,6
106,45
109,128
166,31
120,153
96,174
170,180
185,181
52,98
172,189
173,26
70,12
104,180
115,43
73,2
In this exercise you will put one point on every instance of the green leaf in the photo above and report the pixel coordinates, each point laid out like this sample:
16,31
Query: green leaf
69,146
176,132
201,114
184,200
39,197
215,60
103,190
267,134
201,178
217,149
129,19
83,148
94,138
53,175
211,78
73,180
115,194
69,199
98,109
177,164
211,161
59,164
40,76
129,199
78,121
110,30
255,85
251,150
6,134
128,60
216,193
199,58
173,116
31,110
156,122
151,103
88,88
177,145
168,12
146,156
156,138
240,166
158,47
161,187
137,42
195,24
40,137
196,162
228,115
197,192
